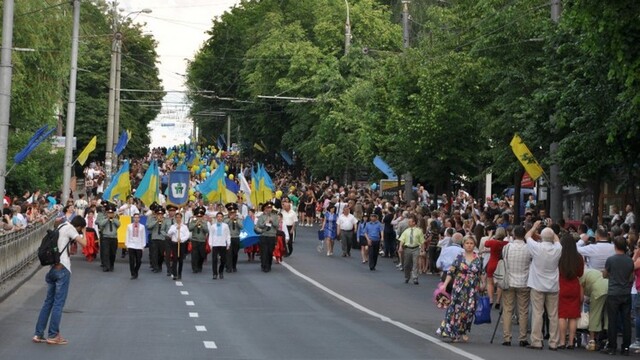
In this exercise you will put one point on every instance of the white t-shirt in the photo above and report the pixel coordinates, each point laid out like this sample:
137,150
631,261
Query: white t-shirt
289,218
67,233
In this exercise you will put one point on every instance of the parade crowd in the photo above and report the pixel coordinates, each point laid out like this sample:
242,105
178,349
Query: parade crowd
556,273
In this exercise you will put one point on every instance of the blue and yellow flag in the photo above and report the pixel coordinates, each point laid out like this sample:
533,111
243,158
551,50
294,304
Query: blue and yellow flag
521,151
120,186
214,187
149,188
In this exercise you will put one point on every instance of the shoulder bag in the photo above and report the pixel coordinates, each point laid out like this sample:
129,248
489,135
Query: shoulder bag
501,276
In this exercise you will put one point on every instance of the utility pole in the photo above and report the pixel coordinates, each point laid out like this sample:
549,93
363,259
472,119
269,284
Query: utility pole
71,108
405,24
555,193
108,162
347,31
116,108
5,88
408,178
228,132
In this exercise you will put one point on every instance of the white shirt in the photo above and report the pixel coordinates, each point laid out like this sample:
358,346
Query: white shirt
219,239
289,218
543,271
347,222
67,233
129,210
183,233
136,242
597,254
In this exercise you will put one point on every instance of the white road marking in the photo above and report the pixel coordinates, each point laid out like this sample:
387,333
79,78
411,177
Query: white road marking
184,293
190,303
383,318
179,283
193,315
210,345
201,328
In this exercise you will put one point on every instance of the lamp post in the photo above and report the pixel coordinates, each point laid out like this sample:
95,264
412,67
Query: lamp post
71,108
5,87
113,117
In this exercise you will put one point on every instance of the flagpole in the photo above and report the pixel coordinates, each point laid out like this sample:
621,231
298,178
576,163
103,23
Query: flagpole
12,166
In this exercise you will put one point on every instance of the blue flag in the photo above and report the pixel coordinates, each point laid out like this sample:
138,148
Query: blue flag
122,143
385,168
248,235
39,136
178,189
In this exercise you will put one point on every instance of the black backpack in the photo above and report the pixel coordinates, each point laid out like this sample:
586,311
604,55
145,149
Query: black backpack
48,251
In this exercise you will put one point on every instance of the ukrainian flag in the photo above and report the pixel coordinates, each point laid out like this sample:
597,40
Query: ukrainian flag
214,187
120,186
149,189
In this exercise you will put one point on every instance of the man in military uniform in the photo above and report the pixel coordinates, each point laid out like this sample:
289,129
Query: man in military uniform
267,225
235,226
109,238
199,231
157,245
168,222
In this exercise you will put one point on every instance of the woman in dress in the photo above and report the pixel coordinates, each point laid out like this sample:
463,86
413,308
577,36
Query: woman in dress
330,228
466,274
495,246
571,267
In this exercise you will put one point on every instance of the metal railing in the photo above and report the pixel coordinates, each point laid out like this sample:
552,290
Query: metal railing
18,249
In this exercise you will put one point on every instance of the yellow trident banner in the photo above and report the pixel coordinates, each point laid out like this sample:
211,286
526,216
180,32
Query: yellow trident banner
521,151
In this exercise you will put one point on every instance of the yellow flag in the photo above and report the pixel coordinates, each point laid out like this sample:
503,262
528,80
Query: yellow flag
82,158
521,151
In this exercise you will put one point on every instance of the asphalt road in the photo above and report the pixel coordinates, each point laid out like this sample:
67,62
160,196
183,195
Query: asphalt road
311,307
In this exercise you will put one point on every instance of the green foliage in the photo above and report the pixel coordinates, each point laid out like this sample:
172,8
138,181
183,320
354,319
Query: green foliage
40,80
478,72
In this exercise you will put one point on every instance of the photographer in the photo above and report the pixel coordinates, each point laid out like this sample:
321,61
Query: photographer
58,279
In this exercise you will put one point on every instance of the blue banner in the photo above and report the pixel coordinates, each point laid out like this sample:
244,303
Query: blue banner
178,189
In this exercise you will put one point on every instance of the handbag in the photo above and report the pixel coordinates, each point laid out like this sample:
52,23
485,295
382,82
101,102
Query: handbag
583,322
483,310
320,235
501,276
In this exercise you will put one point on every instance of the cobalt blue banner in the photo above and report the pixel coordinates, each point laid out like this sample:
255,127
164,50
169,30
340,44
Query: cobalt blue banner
178,189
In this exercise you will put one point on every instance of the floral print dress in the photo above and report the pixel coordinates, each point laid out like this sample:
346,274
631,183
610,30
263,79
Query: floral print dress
331,226
466,281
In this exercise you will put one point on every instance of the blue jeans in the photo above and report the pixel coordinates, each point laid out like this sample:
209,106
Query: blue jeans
57,289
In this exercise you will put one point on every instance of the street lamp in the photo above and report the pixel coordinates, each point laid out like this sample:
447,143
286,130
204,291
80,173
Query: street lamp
113,120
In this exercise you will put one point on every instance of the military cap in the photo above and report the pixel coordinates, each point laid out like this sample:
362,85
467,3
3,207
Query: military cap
232,207
199,211
171,207
160,210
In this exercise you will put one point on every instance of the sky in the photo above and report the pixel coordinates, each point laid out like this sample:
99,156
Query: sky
179,27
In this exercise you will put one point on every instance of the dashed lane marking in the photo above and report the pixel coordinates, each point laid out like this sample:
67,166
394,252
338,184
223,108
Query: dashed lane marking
383,318
201,328
184,293
210,345
190,303
193,315
179,283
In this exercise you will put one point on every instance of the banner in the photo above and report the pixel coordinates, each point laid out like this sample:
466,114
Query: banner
178,189
521,151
